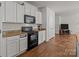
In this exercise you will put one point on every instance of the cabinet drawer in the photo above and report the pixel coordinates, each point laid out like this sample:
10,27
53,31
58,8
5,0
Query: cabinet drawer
12,39
11,43
12,46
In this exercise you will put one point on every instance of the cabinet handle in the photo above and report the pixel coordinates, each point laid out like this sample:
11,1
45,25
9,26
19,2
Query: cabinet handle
0,31
0,4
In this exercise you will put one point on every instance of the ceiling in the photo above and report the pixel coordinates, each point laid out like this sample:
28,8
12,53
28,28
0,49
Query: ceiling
60,7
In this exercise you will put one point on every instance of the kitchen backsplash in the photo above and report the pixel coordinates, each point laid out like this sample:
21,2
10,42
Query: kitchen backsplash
16,26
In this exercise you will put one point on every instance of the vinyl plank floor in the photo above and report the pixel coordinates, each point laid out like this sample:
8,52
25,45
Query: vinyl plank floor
60,46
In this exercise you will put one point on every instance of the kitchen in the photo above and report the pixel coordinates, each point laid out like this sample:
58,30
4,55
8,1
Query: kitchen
24,26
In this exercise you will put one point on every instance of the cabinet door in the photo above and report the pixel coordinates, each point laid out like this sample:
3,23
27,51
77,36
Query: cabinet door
2,11
51,24
0,39
39,18
33,10
12,46
40,39
20,13
23,44
77,49
3,47
10,11
27,9
43,36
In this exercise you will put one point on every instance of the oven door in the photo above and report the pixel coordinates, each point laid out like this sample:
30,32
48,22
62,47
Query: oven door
33,37
29,19
32,40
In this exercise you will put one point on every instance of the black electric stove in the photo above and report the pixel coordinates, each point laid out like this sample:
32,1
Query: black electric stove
32,37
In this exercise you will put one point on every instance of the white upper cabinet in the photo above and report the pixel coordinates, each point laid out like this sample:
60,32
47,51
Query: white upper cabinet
27,8
10,11
2,11
39,18
33,10
20,13
30,9
14,12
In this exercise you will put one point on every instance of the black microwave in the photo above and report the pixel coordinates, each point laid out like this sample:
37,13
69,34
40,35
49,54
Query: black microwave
29,19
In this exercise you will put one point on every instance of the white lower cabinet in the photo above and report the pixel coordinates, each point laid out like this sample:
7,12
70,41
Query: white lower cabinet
23,44
44,35
12,46
77,49
3,47
15,45
41,37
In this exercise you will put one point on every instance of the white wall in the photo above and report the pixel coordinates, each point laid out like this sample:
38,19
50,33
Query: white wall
73,21
57,23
